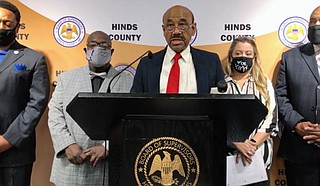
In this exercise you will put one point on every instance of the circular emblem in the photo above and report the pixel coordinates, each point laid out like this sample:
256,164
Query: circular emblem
129,71
166,161
293,32
69,31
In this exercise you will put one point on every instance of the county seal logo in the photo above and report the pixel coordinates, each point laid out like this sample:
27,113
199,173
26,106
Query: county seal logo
130,71
69,31
293,32
167,161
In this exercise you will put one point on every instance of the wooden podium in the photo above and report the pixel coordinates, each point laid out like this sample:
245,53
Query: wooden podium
167,139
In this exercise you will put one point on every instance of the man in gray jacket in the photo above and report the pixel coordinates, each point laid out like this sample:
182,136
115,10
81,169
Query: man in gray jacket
79,160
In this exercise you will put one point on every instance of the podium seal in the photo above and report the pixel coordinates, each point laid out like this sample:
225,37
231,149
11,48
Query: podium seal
167,161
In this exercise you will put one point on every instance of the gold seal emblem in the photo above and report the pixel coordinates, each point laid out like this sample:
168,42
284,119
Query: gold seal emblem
167,161
69,31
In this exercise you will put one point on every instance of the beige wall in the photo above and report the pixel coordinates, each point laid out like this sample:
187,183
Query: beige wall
44,154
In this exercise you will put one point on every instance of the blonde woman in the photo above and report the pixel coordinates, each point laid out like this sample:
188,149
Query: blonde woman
244,75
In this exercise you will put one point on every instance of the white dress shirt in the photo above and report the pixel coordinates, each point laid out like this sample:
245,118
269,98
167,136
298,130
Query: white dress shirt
188,82
317,53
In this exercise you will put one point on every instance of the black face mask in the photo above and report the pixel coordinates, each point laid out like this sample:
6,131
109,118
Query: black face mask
242,64
7,36
314,34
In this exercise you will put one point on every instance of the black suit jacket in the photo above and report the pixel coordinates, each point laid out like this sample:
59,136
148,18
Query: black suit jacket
298,94
24,90
207,67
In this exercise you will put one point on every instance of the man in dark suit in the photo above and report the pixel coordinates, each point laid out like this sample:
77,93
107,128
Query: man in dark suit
24,90
298,94
198,70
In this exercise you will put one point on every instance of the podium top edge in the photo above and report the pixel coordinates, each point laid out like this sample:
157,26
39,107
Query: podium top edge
165,96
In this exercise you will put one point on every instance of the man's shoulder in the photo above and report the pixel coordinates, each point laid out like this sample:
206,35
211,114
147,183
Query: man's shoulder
30,50
202,52
292,50
300,49
157,54
26,50
154,57
73,72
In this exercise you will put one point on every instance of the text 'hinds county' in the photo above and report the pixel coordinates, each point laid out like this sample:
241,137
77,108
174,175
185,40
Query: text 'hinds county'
121,36
237,30
22,36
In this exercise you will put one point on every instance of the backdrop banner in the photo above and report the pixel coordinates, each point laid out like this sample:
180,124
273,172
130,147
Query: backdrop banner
59,29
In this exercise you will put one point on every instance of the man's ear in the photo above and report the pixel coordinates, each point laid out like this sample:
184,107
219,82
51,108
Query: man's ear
194,27
112,50
85,50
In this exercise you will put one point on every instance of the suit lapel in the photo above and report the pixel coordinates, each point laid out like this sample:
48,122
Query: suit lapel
111,73
155,70
307,53
201,71
86,85
84,77
12,56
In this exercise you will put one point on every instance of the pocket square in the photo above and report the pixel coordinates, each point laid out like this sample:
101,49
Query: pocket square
19,67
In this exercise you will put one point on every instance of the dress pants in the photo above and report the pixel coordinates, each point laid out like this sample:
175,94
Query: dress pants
302,175
15,176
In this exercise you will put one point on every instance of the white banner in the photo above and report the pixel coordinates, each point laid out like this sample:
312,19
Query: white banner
140,21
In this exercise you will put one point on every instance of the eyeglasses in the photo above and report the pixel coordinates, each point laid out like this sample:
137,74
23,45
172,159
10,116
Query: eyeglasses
101,44
182,27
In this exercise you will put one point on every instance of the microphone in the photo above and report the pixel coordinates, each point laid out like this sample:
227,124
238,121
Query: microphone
221,88
150,55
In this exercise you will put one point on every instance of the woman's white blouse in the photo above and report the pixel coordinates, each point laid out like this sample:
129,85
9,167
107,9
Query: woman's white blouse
269,124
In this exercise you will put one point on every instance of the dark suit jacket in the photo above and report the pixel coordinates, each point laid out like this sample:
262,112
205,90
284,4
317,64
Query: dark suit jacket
24,91
298,93
207,67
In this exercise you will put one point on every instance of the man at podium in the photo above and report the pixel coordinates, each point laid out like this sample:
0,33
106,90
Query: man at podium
179,68
79,160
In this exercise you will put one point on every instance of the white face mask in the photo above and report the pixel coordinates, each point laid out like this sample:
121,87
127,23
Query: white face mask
98,56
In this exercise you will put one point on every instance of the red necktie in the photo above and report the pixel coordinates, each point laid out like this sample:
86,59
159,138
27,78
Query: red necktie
174,76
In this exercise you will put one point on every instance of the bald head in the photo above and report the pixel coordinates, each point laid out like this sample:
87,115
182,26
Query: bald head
178,27
316,10
177,9
99,37
315,17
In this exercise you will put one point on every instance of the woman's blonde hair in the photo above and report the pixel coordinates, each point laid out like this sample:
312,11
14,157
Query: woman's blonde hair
256,71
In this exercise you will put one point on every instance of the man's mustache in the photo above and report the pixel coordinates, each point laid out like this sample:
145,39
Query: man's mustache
177,37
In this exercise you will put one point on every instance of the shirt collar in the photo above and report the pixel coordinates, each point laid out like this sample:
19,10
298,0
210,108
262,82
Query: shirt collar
230,79
184,53
3,52
316,48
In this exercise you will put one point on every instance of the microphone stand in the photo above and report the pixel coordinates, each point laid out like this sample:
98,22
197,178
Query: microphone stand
109,85
109,91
